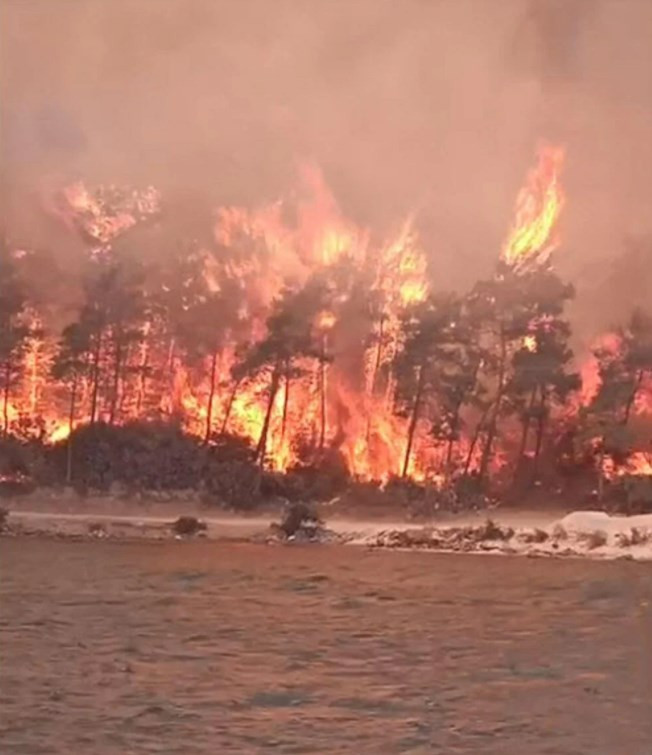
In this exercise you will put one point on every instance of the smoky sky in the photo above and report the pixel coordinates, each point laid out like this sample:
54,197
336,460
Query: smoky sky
433,106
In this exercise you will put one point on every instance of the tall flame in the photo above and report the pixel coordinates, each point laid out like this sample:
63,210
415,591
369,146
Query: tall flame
344,403
356,413
531,239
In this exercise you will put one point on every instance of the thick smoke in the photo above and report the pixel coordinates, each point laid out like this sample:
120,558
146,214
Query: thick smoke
546,39
406,104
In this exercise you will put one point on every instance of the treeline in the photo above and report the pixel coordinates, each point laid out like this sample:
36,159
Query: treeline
480,386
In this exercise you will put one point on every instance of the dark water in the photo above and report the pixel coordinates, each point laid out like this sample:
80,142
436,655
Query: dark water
208,648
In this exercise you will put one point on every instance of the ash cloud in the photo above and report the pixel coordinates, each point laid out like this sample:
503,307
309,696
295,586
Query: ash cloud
405,104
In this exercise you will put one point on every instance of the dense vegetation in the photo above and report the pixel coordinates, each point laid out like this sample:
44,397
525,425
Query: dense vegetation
489,373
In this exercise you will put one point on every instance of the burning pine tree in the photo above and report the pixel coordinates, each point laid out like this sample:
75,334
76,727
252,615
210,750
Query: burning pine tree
288,328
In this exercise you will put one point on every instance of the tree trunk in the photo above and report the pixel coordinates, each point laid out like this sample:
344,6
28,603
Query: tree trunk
229,406
379,353
526,428
95,376
211,394
170,372
142,379
541,423
286,399
455,423
322,403
170,356
632,396
525,431
474,442
142,389
262,441
5,406
601,471
115,388
491,433
123,392
372,386
449,454
413,421
71,422
486,451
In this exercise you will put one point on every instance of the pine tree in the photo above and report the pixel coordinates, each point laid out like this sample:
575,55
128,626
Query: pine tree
430,352
291,335
515,308
207,321
71,366
113,316
14,330
624,373
542,378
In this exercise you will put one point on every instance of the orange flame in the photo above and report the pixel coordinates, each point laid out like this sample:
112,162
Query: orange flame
348,403
538,205
360,423
89,211
640,463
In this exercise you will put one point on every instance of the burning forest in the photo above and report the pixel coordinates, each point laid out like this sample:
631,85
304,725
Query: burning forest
286,339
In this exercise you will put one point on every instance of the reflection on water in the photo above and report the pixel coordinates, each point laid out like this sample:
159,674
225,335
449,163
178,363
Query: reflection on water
205,647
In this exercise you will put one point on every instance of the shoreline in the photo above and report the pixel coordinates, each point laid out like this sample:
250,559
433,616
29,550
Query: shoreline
588,535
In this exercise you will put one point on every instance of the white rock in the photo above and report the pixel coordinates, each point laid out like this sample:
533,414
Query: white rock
590,521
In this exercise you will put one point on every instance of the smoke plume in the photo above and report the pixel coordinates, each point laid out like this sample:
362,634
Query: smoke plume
435,107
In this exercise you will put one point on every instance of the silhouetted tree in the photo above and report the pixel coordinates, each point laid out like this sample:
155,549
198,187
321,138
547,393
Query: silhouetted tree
113,317
70,367
542,378
514,306
636,357
14,329
623,372
430,354
291,334
207,321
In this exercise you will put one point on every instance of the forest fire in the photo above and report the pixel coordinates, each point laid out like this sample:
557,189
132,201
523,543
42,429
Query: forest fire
308,310
532,236
298,333
640,463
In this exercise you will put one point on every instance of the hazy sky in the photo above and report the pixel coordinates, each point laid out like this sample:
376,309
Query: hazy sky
435,104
